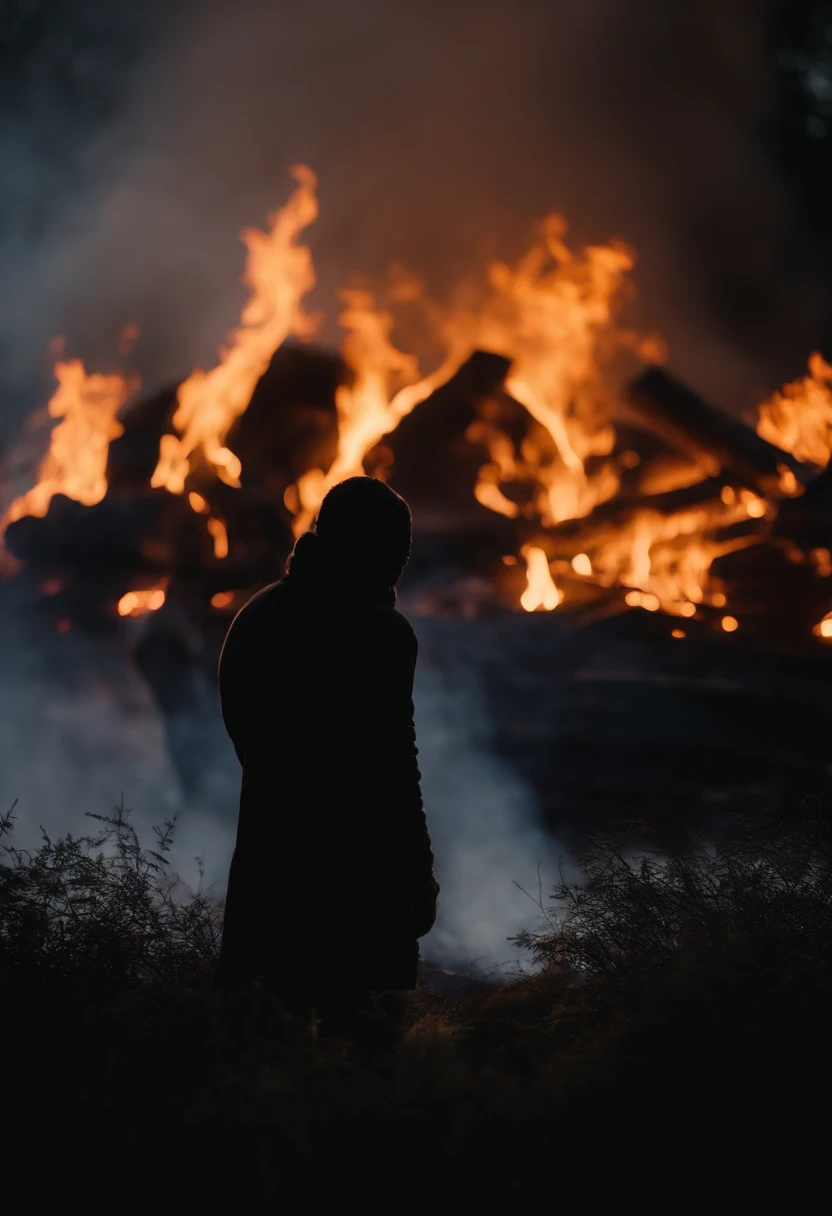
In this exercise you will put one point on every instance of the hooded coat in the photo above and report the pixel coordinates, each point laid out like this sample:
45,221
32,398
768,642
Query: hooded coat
332,851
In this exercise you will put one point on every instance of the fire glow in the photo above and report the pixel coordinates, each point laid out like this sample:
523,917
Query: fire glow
137,603
554,317
76,463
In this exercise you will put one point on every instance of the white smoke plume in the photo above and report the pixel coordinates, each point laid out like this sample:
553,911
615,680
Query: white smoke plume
490,844
84,730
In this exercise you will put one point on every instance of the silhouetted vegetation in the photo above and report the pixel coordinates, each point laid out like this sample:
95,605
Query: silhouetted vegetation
672,1048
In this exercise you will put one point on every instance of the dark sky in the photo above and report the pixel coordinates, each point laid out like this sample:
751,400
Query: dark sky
140,138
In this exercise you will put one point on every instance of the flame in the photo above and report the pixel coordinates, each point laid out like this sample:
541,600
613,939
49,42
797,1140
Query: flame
822,561
502,468
137,603
279,272
219,534
798,418
76,463
541,591
553,316
824,628
371,407
665,557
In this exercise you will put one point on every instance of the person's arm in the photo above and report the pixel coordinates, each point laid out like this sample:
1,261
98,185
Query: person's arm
384,724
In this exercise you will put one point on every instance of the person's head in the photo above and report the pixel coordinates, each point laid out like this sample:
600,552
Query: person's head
363,522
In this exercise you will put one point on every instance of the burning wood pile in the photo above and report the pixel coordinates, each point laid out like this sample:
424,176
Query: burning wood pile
552,464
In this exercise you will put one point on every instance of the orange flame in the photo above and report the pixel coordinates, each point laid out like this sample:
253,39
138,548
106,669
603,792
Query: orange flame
76,463
219,534
279,272
137,603
798,418
541,591
665,557
371,406
824,628
553,316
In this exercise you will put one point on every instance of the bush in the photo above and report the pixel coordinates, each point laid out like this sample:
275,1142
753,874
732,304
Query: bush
763,892
671,1049
101,910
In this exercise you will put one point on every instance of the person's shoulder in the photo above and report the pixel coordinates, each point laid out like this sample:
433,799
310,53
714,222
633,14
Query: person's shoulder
388,626
253,615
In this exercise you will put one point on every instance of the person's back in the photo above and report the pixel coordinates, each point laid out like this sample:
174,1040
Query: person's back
331,882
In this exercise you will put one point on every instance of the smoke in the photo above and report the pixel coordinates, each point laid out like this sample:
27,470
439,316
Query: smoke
84,730
440,133
490,844
80,729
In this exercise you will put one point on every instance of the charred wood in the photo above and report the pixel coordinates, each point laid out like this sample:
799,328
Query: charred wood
435,466
709,436
135,453
290,424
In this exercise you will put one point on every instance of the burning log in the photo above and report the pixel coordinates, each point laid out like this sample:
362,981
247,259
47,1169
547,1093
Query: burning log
710,437
290,424
435,464
134,454
807,521
612,520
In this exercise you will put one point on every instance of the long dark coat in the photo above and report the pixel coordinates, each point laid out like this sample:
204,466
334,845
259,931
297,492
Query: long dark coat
316,680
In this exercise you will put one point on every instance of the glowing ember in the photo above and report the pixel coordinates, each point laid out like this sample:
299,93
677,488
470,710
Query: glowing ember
279,272
754,505
823,629
76,463
822,560
137,603
541,591
642,599
678,633
222,599
198,503
581,564
730,624
220,536
798,418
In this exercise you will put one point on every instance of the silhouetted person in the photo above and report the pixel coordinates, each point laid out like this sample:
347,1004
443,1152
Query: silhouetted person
331,883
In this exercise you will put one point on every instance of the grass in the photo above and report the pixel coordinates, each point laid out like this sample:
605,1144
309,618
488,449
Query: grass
672,1049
